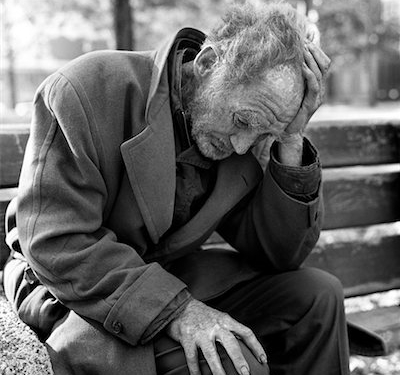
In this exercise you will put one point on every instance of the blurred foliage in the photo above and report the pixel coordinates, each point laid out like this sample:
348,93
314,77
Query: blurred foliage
349,28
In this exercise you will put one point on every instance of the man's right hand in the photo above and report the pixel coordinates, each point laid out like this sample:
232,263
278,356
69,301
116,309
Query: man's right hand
200,326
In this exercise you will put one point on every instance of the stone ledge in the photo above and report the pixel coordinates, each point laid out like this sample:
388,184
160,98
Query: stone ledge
20,350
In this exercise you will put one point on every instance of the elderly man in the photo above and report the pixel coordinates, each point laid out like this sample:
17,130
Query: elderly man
134,159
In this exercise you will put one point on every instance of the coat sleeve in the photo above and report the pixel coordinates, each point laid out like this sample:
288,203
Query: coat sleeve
273,229
61,202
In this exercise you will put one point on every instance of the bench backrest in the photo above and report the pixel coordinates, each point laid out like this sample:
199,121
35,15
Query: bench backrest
360,242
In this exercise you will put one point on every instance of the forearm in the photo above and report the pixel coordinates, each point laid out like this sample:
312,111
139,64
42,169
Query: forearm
274,231
279,224
290,150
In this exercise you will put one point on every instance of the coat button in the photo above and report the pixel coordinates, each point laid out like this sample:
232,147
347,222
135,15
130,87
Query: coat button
116,326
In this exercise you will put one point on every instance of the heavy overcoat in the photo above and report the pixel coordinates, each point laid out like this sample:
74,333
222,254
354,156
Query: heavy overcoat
96,196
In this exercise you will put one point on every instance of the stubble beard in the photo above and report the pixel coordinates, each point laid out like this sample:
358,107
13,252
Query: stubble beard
200,112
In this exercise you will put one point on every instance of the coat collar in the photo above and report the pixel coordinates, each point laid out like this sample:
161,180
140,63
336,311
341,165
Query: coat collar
156,90
150,155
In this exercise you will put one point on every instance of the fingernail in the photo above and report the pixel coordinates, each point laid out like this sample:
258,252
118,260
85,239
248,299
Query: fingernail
244,370
263,359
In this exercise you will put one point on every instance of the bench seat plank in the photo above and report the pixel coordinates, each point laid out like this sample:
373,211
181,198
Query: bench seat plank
362,195
384,321
13,139
366,260
5,196
354,142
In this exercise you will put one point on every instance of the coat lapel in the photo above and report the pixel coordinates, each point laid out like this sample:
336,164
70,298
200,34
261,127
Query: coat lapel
150,155
150,164
237,176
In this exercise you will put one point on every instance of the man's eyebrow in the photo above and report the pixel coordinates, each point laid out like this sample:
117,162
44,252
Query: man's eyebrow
257,118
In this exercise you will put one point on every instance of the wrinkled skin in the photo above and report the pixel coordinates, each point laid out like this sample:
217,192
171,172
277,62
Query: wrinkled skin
227,122
234,120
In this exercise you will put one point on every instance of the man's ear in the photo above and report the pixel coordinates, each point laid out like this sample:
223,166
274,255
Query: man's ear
205,62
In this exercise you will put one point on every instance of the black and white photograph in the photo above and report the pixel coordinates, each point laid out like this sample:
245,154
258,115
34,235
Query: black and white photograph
200,187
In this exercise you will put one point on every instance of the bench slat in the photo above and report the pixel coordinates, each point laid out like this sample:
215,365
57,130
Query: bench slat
384,321
343,143
356,196
13,140
5,196
340,143
366,260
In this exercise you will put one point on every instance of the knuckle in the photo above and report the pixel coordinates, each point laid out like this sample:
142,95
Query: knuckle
194,369
191,356
247,332
225,316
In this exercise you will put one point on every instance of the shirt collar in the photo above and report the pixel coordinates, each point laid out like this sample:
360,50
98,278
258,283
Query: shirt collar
193,156
181,52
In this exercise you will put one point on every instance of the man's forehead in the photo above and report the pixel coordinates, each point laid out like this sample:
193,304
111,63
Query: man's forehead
285,81
276,95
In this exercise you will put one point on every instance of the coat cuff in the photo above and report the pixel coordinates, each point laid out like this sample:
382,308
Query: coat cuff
301,182
140,304
172,311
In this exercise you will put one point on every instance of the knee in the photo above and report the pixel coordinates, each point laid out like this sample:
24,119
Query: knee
321,292
75,344
319,282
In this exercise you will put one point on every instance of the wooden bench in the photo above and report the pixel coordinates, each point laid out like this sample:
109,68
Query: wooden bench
360,243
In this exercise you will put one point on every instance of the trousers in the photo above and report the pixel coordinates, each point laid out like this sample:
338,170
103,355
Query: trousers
298,317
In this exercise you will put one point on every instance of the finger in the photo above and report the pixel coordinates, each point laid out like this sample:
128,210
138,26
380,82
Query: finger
312,64
232,347
192,359
313,94
312,83
320,57
247,335
297,125
212,357
312,33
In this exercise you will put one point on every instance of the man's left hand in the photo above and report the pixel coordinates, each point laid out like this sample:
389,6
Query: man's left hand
315,70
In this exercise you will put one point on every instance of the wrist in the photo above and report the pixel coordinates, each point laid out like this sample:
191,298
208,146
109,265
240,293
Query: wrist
290,149
172,329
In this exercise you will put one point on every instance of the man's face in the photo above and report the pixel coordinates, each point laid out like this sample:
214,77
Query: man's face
227,121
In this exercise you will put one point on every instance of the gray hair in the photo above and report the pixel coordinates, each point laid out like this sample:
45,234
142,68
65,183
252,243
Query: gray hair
252,39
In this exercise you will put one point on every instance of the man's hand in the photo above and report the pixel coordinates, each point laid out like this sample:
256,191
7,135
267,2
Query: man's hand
315,69
200,326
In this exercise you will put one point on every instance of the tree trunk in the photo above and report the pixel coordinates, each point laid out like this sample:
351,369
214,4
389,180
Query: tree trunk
309,5
6,29
123,24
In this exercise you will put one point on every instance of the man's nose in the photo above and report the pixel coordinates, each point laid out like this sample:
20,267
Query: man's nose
241,142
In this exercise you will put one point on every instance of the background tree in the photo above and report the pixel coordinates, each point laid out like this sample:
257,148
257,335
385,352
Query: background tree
352,30
123,24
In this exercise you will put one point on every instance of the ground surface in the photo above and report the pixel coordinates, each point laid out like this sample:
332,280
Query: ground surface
20,351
